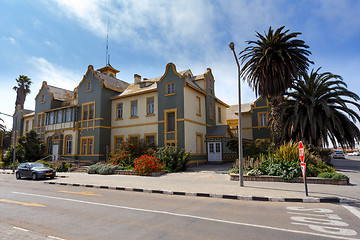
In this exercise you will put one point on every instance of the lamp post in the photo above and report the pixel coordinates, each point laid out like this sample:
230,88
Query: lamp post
241,175
14,129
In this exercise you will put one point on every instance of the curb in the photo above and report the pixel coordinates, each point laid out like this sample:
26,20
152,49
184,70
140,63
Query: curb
209,195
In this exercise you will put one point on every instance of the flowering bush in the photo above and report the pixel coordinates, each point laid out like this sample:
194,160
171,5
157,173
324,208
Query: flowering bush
147,164
173,158
128,151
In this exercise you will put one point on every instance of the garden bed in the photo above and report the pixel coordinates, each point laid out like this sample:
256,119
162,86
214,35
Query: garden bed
311,180
134,173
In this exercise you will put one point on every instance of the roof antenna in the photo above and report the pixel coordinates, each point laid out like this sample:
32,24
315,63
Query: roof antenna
107,45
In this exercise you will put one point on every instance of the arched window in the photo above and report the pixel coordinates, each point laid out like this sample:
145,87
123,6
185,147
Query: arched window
49,146
68,144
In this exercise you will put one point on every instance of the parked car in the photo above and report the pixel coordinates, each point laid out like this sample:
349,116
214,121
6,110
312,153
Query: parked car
338,154
354,153
34,170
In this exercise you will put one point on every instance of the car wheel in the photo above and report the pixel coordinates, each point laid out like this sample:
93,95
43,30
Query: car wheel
18,176
33,176
52,177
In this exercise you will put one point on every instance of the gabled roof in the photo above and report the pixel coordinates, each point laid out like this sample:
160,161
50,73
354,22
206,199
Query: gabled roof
60,93
233,111
111,82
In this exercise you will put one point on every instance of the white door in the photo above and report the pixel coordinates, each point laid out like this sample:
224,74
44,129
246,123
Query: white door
214,152
55,152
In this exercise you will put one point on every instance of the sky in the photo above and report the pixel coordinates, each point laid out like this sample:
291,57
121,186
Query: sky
56,40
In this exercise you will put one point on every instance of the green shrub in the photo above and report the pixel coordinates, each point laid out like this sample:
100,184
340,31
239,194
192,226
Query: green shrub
102,169
334,175
63,167
43,162
284,170
128,151
289,152
174,159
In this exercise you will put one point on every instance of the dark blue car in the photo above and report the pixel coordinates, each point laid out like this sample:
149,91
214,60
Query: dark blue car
34,171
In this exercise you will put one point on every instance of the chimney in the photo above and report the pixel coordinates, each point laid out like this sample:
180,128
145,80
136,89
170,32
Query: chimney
137,78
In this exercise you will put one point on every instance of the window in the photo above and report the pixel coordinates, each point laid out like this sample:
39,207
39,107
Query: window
91,111
89,86
134,108
262,119
150,139
198,106
211,111
59,117
88,111
219,114
43,98
68,116
133,138
49,146
51,118
27,125
118,141
68,144
199,143
119,111
85,112
87,145
170,122
150,106
41,119
170,88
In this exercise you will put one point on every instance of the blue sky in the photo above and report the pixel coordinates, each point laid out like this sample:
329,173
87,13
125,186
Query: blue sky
56,40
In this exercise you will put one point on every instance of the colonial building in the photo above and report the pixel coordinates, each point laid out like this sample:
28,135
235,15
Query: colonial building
88,123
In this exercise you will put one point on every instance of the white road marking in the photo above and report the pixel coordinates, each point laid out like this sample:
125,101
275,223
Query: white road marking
330,216
21,229
55,238
353,210
189,216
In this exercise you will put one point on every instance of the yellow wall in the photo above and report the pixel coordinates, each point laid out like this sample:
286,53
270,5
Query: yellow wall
191,130
246,125
223,114
190,105
30,127
141,125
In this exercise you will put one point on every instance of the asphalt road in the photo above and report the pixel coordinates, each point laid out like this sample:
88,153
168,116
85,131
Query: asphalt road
34,210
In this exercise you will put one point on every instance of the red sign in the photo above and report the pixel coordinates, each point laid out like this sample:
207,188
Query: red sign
301,152
303,169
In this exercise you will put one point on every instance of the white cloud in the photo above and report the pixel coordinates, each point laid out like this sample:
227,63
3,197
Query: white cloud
10,39
54,75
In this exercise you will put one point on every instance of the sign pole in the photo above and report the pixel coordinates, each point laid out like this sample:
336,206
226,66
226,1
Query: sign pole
303,164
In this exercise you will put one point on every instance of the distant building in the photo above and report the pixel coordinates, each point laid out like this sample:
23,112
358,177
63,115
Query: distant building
254,120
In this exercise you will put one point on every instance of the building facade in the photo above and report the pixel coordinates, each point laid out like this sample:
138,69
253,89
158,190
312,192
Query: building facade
88,123
254,117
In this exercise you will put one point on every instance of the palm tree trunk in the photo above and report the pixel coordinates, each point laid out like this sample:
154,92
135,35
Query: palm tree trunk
276,124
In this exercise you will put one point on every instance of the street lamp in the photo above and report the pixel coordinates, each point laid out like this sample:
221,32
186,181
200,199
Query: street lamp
14,129
241,175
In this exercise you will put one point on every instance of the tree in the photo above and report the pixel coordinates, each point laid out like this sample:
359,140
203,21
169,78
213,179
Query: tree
317,110
29,147
270,65
22,89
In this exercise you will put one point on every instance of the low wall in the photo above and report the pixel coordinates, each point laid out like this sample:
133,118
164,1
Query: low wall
311,180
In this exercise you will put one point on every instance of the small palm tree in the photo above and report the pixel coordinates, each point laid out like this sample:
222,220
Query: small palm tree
271,64
317,111
22,89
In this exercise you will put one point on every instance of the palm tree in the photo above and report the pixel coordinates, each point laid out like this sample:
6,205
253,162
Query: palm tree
317,111
22,89
271,64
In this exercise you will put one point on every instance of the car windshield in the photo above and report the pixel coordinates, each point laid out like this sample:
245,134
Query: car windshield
339,152
37,165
